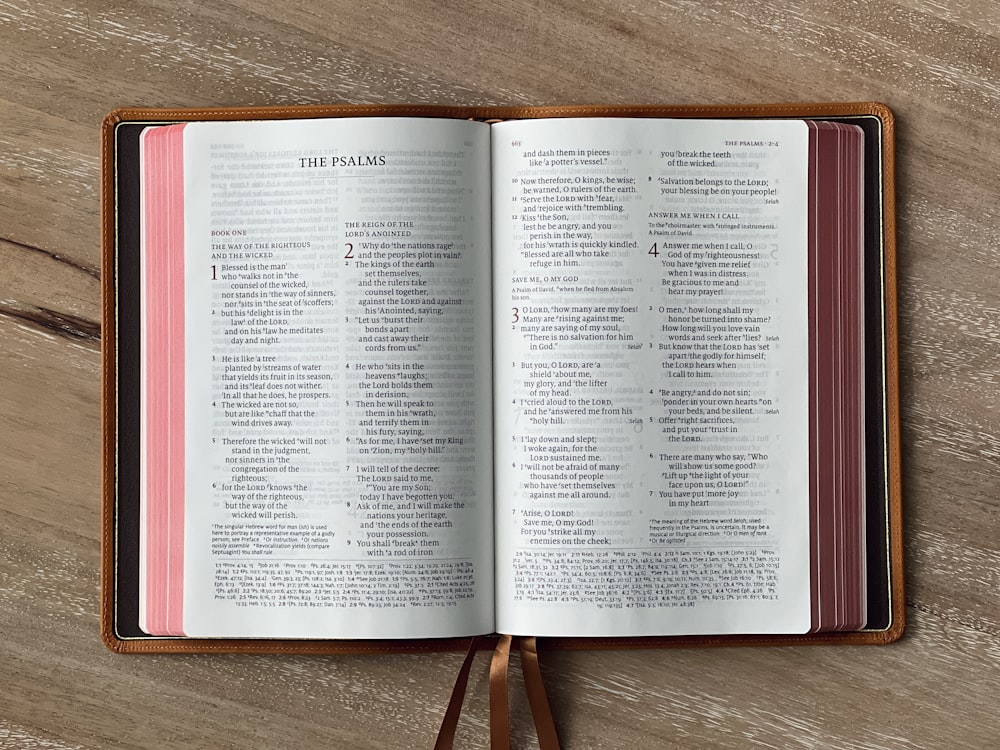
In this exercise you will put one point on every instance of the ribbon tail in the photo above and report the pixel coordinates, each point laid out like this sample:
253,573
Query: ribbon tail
545,727
446,735
499,701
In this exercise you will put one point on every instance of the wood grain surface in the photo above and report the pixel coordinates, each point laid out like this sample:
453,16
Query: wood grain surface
64,65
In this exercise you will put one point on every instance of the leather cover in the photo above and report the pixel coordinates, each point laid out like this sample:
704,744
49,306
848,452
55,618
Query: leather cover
119,199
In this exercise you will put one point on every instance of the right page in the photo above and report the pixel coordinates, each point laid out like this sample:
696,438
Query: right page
652,377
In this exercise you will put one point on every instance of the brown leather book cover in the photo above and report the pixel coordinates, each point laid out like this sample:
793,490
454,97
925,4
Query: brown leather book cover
120,217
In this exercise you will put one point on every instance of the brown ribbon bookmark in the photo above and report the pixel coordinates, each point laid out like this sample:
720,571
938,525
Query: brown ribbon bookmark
499,706
548,738
545,727
446,734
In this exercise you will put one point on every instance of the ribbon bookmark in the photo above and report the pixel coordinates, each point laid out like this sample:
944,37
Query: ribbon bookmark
446,734
548,738
545,727
499,705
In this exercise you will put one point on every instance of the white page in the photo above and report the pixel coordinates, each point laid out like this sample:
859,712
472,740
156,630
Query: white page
338,379
143,468
652,465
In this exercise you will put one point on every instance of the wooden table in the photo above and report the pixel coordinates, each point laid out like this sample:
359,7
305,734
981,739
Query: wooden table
64,65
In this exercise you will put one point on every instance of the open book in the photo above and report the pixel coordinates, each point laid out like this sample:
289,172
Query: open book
423,377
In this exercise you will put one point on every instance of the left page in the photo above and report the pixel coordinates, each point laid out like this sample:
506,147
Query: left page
336,413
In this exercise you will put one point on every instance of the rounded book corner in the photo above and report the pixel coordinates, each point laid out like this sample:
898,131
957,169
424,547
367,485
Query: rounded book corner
112,641
116,117
883,113
896,629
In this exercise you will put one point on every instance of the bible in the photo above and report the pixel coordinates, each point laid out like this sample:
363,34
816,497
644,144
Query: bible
405,376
